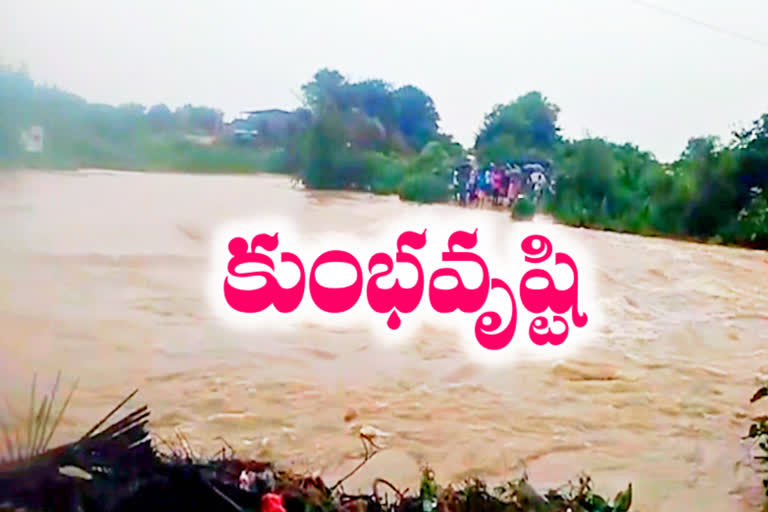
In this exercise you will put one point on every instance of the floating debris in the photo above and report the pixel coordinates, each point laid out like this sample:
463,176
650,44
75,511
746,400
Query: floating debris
372,432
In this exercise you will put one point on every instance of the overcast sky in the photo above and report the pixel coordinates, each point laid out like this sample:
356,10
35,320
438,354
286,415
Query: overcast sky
615,68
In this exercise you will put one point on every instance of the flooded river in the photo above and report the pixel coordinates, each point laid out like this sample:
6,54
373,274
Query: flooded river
103,277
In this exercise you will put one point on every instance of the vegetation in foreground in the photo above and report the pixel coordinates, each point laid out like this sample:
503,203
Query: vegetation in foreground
372,136
758,433
117,468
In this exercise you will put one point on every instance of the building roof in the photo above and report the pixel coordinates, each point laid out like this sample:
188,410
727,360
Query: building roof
267,111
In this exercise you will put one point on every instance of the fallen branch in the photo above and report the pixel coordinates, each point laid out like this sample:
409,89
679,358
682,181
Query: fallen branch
366,457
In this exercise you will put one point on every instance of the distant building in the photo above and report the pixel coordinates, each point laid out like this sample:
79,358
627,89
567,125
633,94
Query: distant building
241,130
270,126
32,139
270,112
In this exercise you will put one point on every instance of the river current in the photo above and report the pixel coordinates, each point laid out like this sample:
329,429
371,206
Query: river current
102,278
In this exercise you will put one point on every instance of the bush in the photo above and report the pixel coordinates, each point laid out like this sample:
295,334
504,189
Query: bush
436,158
758,433
276,160
523,209
352,171
188,156
751,225
388,173
425,188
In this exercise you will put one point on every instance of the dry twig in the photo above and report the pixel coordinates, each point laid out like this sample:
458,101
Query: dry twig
366,457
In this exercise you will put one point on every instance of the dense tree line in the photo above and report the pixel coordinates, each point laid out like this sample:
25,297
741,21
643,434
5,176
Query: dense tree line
82,134
713,191
370,135
407,115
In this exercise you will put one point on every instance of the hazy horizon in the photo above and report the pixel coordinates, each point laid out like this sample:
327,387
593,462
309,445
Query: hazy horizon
617,69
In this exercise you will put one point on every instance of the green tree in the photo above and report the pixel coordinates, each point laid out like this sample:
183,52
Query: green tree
199,119
713,173
160,118
330,161
526,126
375,99
408,115
700,148
587,182
417,116
326,88
752,150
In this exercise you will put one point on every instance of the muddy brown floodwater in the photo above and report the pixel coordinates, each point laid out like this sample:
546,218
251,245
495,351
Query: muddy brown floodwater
103,277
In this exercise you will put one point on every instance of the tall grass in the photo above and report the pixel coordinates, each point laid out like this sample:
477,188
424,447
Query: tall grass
38,424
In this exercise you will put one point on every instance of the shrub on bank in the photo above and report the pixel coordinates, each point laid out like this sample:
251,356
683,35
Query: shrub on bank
172,154
523,209
425,188
751,225
388,173
758,433
119,467
332,159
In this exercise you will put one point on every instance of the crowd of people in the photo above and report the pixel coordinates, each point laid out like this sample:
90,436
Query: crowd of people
499,185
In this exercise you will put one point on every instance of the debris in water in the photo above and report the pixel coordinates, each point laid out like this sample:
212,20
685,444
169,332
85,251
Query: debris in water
372,432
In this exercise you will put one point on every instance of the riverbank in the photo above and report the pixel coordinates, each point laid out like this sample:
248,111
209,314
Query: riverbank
119,467
166,155
122,467
260,171
371,136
